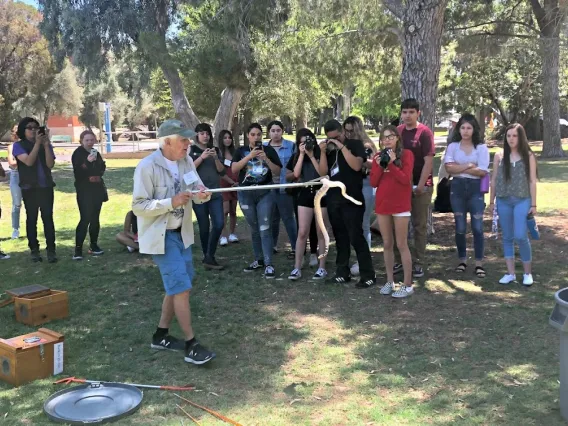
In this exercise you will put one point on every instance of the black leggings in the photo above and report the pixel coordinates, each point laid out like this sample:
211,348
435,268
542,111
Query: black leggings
90,209
313,230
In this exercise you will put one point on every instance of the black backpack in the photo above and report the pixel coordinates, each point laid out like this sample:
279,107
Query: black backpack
442,203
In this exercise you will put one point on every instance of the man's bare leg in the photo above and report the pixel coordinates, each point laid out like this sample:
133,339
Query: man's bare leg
183,313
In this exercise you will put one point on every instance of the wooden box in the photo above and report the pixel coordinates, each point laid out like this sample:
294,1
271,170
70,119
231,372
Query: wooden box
31,356
34,310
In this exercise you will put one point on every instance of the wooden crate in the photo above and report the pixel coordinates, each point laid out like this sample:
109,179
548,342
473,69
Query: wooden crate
39,310
31,356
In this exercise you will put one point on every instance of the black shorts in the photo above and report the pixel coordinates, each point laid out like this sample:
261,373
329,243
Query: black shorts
306,197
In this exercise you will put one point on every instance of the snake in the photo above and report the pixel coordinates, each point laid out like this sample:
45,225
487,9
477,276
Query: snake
326,185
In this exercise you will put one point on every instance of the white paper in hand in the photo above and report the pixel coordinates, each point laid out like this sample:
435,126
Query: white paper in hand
227,163
190,178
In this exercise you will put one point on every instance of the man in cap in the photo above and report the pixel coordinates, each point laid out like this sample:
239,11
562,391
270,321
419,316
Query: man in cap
161,200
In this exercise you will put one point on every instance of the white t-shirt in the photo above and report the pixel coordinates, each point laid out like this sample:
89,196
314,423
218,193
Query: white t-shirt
175,218
478,156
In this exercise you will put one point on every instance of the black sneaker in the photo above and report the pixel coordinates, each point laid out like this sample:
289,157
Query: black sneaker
167,343
95,250
51,256
338,279
269,272
212,264
198,354
78,254
397,268
36,257
257,264
418,272
4,256
292,255
274,250
366,283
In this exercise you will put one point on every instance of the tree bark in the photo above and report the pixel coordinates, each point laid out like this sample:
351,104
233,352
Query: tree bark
230,99
287,122
181,105
423,23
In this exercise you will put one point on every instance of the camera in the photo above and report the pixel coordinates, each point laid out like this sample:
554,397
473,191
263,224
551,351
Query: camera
258,145
385,158
310,143
368,153
41,130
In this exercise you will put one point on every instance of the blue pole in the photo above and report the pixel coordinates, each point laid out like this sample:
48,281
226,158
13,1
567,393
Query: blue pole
108,128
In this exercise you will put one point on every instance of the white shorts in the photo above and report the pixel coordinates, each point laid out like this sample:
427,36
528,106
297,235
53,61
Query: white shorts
403,214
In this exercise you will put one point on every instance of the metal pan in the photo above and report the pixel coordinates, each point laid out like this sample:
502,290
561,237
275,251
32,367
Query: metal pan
93,403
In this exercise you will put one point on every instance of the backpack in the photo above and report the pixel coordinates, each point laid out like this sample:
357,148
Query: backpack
442,202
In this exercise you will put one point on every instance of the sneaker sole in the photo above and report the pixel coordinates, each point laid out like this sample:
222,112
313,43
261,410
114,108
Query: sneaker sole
77,258
192,361
251,270
269,278
96,253
418,275
294,278
5,257
213,267
401,297
161,348
319,278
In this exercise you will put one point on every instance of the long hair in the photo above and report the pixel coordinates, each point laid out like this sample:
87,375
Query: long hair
475,137
204,127
222,146
398,147
524,150
305,133
22,126
358,128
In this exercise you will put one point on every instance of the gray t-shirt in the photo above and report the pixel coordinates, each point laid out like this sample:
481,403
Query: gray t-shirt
207,170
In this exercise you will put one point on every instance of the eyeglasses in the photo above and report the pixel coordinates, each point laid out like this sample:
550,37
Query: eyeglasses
388,137
32,127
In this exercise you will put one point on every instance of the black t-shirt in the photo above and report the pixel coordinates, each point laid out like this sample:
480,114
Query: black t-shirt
256,172
339,170
309,172
207,170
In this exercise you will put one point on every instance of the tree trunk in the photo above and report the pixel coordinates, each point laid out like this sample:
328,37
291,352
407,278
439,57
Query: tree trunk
287,121
230,99
480,115
247,120
423,23
550,53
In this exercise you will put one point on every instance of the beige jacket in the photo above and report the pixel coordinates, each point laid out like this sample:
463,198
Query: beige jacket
152,202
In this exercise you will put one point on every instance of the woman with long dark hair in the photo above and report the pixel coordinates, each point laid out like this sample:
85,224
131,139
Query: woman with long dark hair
227,148
210,217
256,164
513,186
305,167
392,176
88,168
467,160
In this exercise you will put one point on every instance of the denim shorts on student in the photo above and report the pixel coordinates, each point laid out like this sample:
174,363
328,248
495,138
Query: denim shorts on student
176,264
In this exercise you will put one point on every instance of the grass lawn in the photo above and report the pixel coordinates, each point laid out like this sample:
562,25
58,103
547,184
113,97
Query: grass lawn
461,351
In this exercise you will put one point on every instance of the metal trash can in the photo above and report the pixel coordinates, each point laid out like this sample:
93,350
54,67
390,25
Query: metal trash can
559,320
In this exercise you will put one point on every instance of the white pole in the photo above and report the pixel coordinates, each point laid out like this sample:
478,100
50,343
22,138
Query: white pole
259,187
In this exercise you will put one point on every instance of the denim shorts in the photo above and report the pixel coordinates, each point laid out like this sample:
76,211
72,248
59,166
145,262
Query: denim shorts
176,264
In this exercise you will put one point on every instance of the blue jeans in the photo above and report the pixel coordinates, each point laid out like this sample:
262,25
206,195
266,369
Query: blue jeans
369,196
466,197
210,231
257,206
283,208
175,265
16,192
513,213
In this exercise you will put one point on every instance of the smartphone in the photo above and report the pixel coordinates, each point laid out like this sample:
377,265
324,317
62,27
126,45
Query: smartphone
41,130
258,145
94,151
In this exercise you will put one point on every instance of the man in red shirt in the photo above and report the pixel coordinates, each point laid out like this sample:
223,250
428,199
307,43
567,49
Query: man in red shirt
419,139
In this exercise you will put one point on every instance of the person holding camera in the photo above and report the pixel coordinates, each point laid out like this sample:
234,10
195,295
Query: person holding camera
35,157
256,164
210,216
15,189
88,168
391,174
304,166
283,202
343,161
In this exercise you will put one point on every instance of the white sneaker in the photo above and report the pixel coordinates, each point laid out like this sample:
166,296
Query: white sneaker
233,238
320,274
507,279
387,288
223,241
15,234
527,280
355,269
130,249
314,260
296,274
403,292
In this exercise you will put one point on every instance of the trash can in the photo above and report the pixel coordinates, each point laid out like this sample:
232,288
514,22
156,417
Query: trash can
559,320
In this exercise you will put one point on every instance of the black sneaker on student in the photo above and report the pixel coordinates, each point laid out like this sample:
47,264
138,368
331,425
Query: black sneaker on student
198,354
51,256
210,263
4,256
366,282
167,343
36,257
95,250
78,254
397,268
417,272
269,272
338,279
254,266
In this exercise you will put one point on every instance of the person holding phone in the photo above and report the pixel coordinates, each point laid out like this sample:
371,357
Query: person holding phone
3,256
210,217
229,180
256,163
15,189
88,168
35,157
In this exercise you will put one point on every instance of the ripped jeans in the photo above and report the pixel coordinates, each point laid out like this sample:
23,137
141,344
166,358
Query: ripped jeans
257,207
466,197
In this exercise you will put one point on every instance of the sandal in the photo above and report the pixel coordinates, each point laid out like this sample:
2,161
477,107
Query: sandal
480,272
461,267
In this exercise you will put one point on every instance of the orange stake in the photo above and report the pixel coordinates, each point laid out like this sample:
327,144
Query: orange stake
188,415
213,413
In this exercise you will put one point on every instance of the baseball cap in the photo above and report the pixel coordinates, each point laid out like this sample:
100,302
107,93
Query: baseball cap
174,127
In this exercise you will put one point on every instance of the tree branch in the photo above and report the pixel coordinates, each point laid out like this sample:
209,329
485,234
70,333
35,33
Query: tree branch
539,13
499,34
494,22
394,7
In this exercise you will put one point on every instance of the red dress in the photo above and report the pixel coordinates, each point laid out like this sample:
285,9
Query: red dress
394,185
229,196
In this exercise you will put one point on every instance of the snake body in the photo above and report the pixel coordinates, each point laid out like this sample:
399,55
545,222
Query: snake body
326,184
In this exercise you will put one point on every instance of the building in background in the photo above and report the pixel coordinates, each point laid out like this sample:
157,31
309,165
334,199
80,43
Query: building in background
65,129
